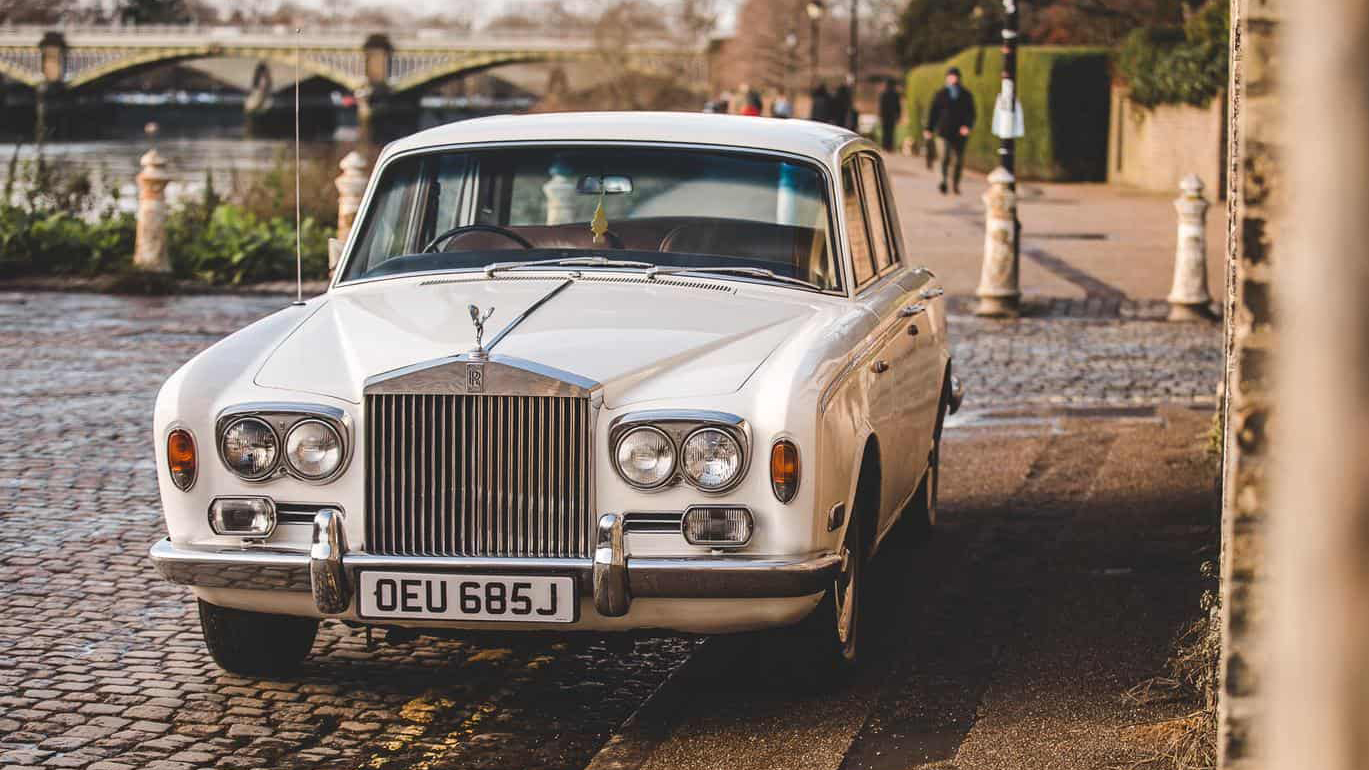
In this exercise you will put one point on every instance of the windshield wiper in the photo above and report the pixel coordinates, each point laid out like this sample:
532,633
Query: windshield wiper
758,272
490,270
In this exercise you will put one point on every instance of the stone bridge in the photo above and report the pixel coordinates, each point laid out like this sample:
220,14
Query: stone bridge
384,69
392,61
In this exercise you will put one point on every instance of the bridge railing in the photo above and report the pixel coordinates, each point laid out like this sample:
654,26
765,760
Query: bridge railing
30,34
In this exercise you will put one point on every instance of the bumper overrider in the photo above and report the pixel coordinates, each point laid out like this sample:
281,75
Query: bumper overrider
328,570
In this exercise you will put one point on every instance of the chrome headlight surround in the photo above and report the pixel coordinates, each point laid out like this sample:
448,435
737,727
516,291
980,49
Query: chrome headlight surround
678,425
282,417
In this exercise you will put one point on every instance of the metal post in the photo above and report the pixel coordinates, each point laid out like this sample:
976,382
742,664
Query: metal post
852,51
1007,146
813,54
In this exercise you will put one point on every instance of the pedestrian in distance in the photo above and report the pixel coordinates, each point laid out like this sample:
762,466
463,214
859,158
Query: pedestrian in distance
890,110
781,107
821,107
950,121
751,102
842,102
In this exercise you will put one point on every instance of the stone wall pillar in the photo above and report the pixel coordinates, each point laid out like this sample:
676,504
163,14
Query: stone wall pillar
998,291
1188,298
1317,635
149,250
1254,201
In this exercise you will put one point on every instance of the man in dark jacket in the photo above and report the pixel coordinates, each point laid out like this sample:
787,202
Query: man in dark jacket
890,109
822,104
950,121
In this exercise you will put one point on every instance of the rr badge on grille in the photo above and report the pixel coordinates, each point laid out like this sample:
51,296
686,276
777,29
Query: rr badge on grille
475,378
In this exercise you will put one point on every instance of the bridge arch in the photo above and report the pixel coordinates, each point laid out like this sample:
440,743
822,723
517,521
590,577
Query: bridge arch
100,73
413,78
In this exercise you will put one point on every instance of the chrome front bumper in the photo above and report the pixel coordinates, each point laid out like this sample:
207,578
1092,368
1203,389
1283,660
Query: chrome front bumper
328,570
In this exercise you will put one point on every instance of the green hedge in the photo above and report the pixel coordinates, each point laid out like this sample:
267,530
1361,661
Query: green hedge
1065,94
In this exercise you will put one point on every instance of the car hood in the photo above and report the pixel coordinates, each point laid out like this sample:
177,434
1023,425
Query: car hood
640,340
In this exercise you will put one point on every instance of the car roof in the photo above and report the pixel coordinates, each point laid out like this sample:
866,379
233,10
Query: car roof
799,137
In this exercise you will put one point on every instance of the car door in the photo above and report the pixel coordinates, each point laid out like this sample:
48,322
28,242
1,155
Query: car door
886,291
915,375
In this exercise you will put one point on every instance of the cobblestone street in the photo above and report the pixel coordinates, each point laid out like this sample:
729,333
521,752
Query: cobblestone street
101,662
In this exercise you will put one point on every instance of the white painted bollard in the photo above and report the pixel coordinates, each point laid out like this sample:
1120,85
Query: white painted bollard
561,195
1188,298
351,185
149,246
998,291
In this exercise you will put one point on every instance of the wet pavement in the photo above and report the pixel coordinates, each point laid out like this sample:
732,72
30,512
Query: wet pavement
102,665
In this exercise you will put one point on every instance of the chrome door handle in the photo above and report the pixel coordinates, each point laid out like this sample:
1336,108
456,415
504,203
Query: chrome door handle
929,293
912,310
879,367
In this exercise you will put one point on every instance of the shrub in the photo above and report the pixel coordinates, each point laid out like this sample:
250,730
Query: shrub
231,245
1065,94
1169,65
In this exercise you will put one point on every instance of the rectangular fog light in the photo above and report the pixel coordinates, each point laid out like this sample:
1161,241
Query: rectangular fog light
717,526
243,516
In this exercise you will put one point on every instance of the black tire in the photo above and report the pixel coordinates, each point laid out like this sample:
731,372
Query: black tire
254,643
829,639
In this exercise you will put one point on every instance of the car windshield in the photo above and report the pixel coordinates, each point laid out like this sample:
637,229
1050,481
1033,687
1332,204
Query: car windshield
667,207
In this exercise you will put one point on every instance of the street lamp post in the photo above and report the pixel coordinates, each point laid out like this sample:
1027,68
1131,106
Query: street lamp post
1007,149
852,50
815,10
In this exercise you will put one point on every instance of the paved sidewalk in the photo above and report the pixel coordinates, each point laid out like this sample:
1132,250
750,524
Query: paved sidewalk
1078,240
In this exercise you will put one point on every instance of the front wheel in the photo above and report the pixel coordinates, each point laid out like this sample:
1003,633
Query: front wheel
254,643
831,634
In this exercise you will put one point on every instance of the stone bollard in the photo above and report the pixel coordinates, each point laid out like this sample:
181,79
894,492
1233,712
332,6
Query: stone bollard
998,292
149,249
1188,299
351,185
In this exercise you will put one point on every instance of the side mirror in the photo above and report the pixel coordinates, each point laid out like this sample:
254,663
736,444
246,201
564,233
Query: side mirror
604,185
334,254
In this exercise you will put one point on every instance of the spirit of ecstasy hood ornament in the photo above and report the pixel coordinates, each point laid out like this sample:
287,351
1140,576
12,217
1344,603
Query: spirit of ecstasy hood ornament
479,320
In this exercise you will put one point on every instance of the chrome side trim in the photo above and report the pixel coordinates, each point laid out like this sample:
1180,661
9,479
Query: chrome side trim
327,579
611,597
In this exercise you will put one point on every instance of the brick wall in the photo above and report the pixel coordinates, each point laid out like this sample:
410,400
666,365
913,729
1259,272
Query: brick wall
1154,147
1254,200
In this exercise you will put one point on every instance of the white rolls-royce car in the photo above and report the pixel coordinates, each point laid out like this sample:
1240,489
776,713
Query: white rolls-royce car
574,372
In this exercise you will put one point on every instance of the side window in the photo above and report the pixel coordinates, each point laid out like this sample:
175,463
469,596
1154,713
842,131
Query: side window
856,233
880,238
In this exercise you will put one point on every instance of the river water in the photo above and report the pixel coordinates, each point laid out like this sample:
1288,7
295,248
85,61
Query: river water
199,141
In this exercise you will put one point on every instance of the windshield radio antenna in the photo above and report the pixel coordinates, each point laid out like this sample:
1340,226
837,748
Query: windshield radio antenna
299,238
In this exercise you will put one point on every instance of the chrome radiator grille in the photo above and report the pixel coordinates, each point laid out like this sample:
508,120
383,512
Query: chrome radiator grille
459,475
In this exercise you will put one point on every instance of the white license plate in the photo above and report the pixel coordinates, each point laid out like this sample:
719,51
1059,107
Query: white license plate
429,596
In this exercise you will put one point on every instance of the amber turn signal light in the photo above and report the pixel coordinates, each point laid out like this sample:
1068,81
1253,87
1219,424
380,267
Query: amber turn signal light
180,458
784,470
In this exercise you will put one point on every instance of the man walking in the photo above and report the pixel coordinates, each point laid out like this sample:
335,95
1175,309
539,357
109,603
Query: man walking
950,121
890,109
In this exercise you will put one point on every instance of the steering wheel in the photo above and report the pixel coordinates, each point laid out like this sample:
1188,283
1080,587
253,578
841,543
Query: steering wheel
496,229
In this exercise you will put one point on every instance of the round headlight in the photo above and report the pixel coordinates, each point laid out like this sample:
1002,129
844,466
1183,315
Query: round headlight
646,458
250,448
313,449
712,459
